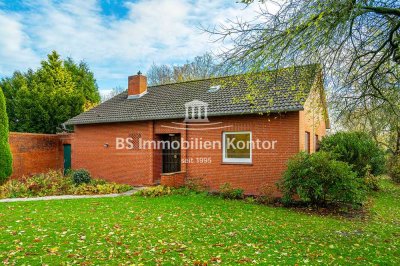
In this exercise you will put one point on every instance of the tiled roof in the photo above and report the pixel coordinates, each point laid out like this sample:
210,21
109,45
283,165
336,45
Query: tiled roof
281,94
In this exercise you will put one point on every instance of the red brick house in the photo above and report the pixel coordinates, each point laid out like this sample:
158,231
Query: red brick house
121,139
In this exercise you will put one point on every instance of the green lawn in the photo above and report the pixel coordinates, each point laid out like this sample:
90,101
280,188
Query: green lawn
188,230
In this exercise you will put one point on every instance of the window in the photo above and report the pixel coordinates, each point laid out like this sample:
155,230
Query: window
316,143
307,142
214,88
237,147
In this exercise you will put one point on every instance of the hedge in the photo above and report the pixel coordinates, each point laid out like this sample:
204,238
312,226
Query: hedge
5,152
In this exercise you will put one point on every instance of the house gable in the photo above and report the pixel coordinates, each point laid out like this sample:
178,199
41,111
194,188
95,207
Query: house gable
314,118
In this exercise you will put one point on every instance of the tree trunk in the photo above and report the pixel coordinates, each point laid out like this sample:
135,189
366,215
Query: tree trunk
397,150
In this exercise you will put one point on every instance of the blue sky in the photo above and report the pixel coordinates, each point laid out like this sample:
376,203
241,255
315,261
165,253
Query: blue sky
116,38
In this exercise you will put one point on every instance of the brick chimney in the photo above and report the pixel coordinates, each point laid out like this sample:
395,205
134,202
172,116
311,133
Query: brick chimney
137,86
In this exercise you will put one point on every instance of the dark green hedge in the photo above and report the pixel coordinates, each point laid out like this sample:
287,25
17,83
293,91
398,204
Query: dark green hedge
5,152
319,179
358,149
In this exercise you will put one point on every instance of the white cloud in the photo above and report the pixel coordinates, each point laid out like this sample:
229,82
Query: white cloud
161,31
14,45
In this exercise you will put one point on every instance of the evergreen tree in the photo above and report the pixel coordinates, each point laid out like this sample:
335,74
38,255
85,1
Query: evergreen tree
85,83
49,99
40,101
10,86
5,152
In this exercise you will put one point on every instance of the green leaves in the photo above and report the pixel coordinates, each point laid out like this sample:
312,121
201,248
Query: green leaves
320,179
5,152
41,100
55,183
358,149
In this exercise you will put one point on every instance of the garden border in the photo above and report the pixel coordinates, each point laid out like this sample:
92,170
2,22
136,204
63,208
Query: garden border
64,197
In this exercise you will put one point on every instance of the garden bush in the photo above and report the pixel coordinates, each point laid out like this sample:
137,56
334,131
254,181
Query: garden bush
80,176
250,200
228,192
5,152
358,149
97,188
394,168
51,183
265,194
54,183
160,191
371,182
157,191
197,184
320,180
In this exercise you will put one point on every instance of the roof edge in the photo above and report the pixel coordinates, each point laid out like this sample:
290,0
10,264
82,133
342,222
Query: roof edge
318,66
70,123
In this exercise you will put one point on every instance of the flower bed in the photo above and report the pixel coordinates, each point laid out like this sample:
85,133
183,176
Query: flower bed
55,183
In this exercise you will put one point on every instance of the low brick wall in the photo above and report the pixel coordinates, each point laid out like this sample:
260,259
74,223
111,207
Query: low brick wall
35,153
173,179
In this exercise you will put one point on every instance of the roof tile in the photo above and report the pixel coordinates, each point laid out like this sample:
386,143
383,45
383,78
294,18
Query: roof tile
168,101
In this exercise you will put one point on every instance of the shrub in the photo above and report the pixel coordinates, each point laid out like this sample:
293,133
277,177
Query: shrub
160,191
5,152
371,182
320,180
358,149
97,182
80,176
196,184
394,168
265,194
227,192
250,200
54,183
156,191
98,188
51,183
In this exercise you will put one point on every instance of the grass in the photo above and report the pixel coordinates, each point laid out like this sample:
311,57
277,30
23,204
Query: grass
193,230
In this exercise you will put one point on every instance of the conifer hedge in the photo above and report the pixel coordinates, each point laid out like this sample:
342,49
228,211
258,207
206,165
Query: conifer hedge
5,152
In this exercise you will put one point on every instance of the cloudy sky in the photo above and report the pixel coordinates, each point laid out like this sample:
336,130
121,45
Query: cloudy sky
116,38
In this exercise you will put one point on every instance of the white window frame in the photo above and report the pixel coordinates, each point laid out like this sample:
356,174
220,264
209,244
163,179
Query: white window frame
236,160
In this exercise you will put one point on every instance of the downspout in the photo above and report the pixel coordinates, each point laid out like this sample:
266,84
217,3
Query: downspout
187,151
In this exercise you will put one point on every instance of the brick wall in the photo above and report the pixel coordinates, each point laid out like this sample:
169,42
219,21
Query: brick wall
312,118
267,165
35,153
94,148
173,179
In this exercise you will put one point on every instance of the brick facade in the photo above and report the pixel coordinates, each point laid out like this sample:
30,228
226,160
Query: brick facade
94,148
267,165
173,179
313,118
35,153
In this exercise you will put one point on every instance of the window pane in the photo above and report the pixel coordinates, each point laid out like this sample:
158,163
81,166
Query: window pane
237,145
307,142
